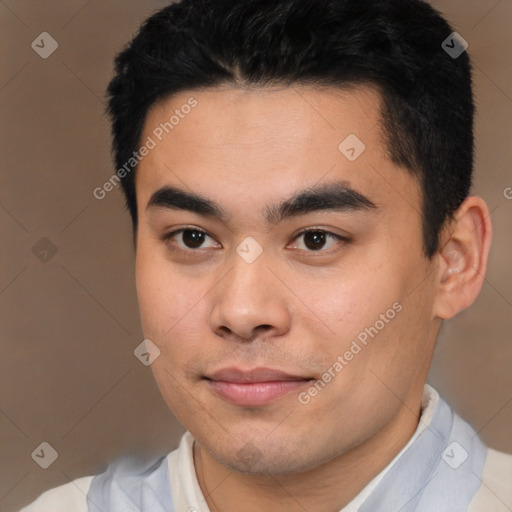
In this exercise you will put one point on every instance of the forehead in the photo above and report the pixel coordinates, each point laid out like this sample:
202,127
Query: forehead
248,117
254,143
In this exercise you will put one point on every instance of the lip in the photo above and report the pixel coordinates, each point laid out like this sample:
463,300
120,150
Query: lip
256,386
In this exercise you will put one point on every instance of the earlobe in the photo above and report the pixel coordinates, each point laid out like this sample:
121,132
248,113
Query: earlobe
463,258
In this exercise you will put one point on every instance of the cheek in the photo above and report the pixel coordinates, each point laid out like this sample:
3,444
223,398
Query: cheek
150,293
369,320
351,301
171,305
161,295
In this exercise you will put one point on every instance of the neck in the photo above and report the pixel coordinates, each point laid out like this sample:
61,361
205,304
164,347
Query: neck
327,488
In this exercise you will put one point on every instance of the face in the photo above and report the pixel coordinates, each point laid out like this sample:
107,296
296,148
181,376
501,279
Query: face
280,274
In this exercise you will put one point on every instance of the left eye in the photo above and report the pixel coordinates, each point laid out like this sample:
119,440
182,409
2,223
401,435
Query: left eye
190,238
315,240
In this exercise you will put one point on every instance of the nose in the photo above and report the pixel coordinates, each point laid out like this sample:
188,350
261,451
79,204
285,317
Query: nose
250,302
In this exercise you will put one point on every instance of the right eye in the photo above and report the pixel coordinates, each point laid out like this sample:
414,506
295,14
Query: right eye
187,239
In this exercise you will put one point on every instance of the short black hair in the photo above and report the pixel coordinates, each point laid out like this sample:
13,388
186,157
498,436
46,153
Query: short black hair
394,45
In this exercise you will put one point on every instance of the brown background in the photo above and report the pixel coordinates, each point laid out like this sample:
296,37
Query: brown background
70,325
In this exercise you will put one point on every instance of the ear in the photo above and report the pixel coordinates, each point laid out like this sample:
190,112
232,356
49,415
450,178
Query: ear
462,258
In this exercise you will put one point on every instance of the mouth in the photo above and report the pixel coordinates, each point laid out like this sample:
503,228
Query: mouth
254,387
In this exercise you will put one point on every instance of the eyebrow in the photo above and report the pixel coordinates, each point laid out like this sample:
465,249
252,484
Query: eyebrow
177,199
338,196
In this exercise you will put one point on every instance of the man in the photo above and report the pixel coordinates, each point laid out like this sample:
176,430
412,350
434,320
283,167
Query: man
298,176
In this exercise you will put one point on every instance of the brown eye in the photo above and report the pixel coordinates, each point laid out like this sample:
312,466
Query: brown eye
314,240
318,240
192,238
188,239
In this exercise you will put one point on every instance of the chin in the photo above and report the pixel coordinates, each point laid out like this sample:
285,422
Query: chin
262,456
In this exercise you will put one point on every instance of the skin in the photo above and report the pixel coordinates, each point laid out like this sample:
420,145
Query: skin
293,308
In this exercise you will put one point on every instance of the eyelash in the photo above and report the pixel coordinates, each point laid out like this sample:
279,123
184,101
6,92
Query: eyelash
168,236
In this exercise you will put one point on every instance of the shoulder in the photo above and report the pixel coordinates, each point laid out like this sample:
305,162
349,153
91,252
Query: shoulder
495,491
127,484
70,496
